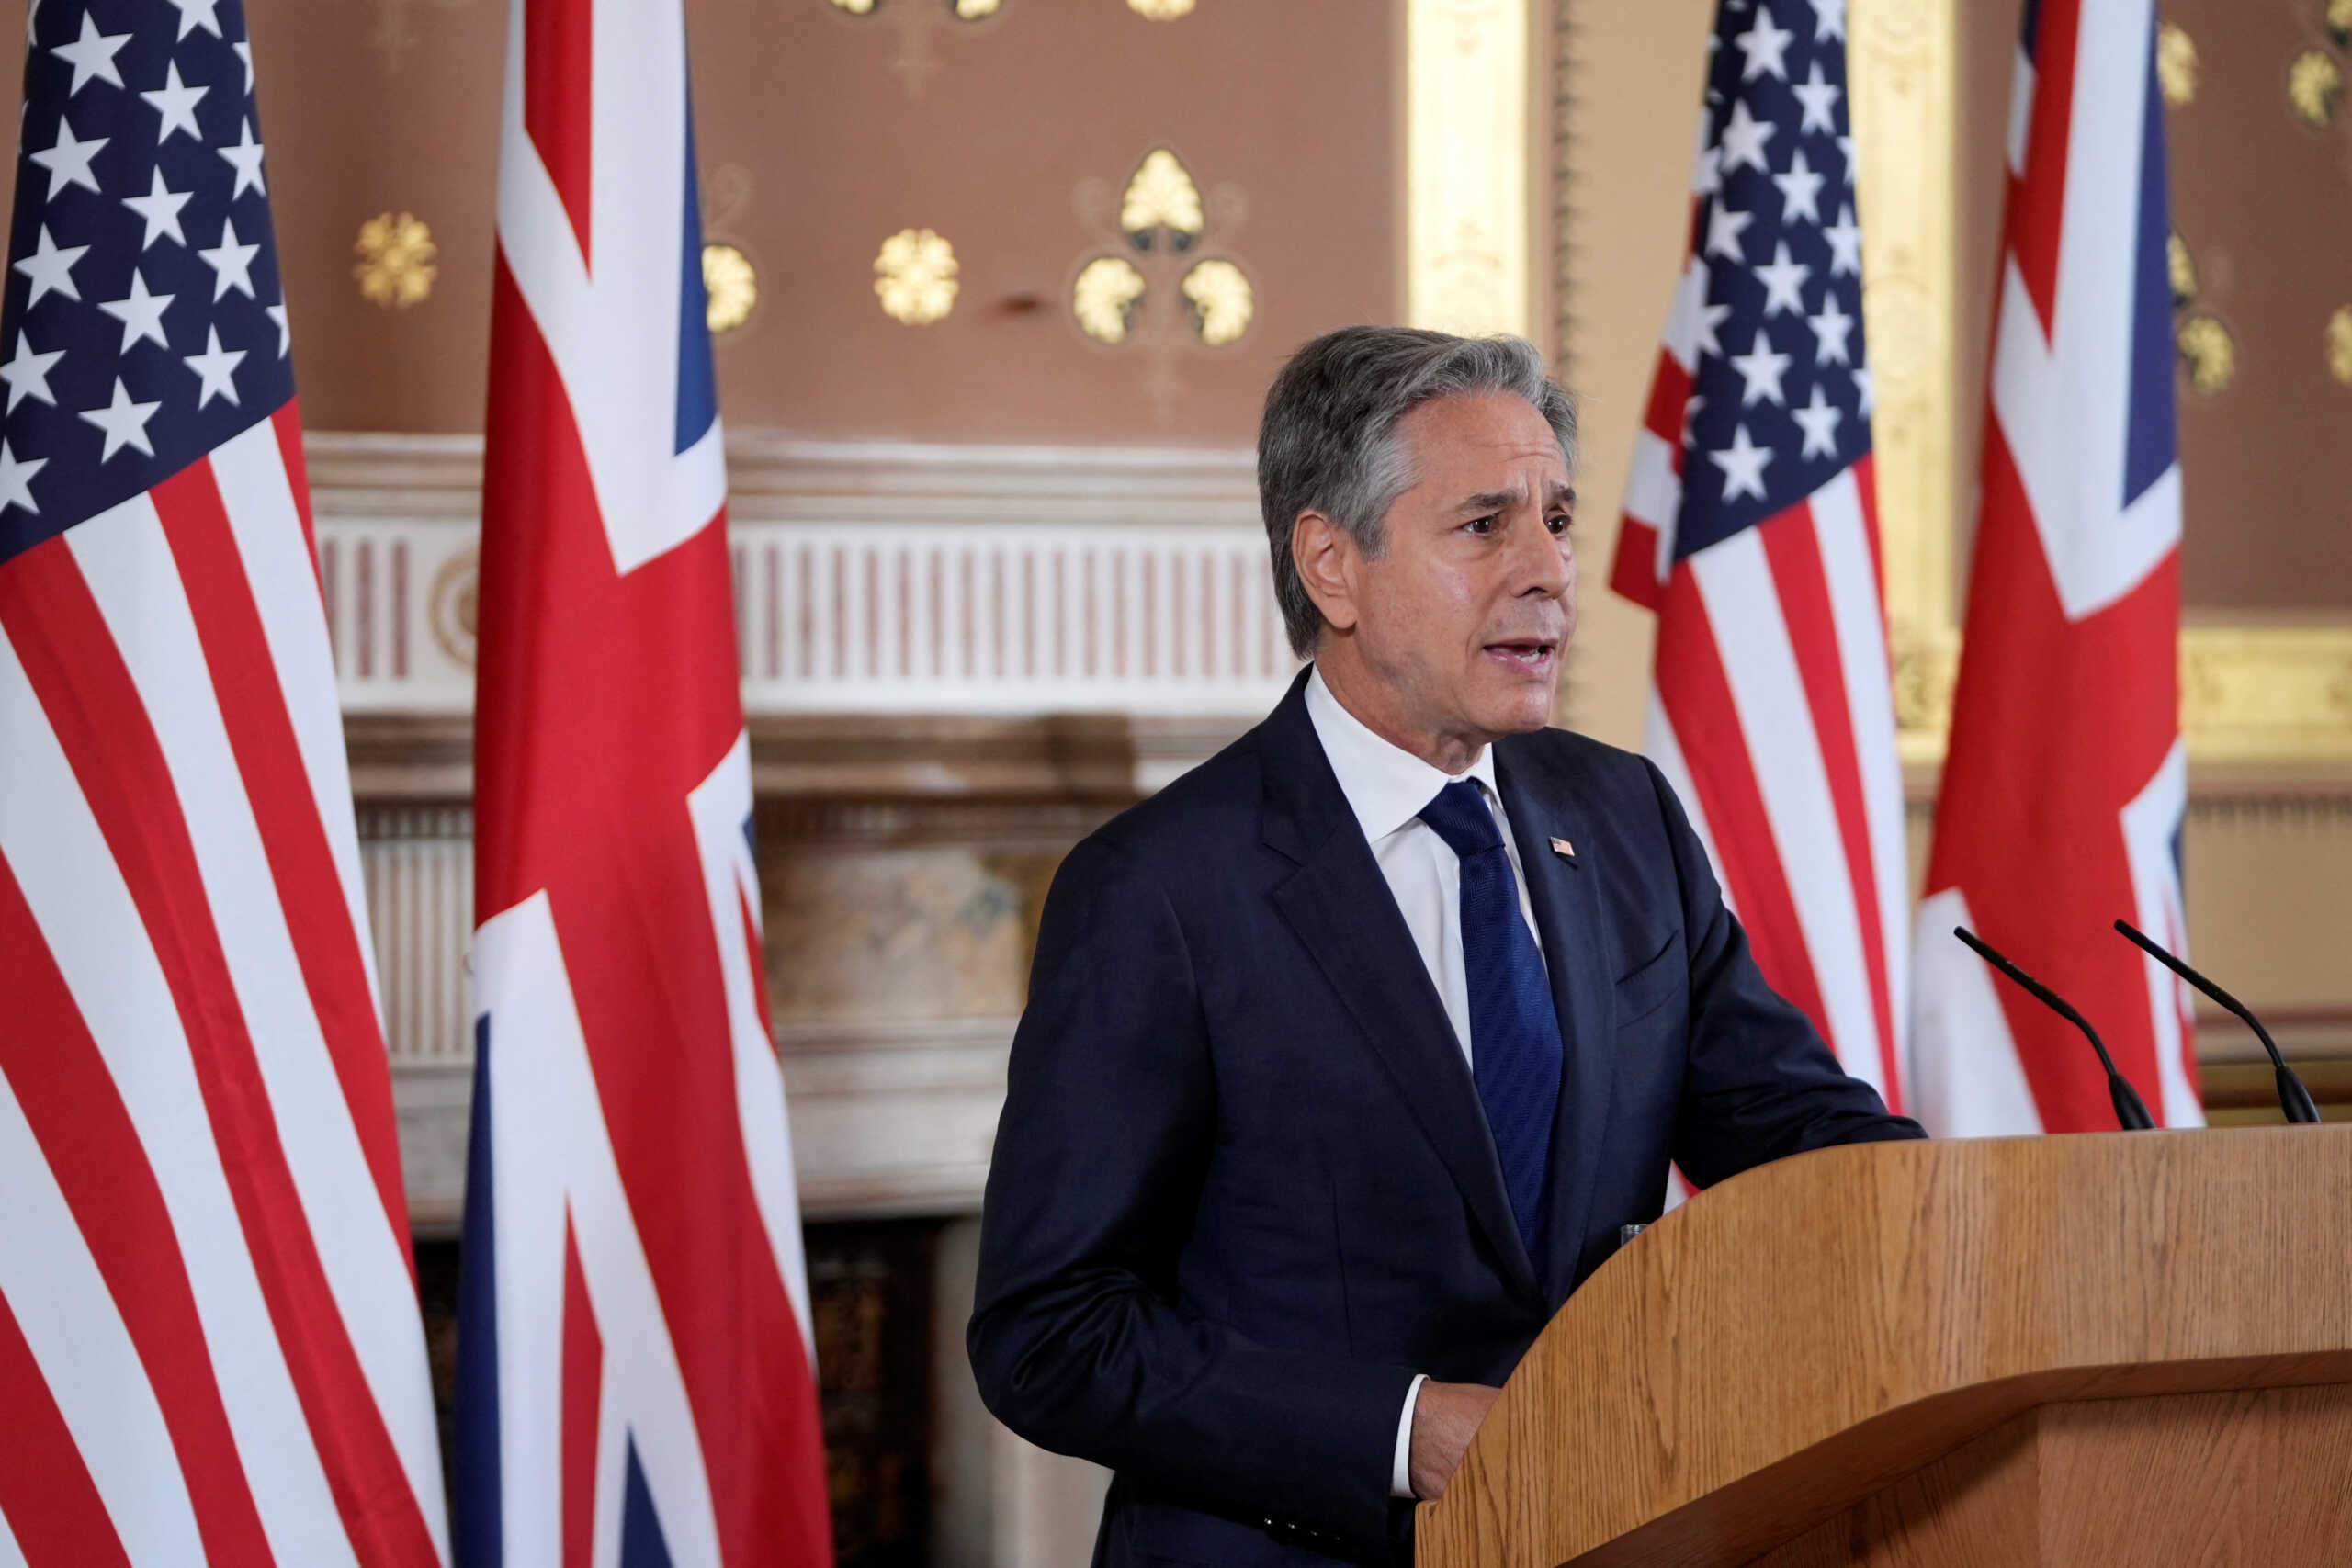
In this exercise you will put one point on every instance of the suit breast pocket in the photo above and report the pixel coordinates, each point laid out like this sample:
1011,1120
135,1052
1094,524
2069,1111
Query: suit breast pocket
1650,985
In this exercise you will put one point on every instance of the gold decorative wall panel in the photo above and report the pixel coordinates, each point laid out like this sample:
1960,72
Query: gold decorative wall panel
1467,141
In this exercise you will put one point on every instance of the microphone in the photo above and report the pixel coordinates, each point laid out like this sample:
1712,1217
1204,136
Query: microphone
2293,1097
2131,1111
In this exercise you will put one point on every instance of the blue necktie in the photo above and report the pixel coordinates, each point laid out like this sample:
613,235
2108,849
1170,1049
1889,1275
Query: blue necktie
1514,1034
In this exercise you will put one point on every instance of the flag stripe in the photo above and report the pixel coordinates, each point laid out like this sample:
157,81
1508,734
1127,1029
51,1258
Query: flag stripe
91,926
51,1514
67,1328
583,1394
242,674
47,606
69,1102
267,497
1793,554
364,1266
1697,694
1784,748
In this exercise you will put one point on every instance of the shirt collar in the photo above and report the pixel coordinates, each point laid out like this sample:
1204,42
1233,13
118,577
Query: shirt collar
1386,785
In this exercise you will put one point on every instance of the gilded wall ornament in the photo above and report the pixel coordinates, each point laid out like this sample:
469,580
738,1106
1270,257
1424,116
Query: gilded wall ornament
2176,63
2181,268
2339,23
453,606
2314,87
2208,352
1161,10
915,277
1104,297
730,285
1161,196
1223,302
1147,282
2339,344
398,260
916,22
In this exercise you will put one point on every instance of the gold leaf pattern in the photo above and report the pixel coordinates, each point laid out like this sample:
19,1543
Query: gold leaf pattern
1103,298
731,286
1161,10
973,10
856,7
2176,63
915,277
396,260
1160,195
2182,267
2340,22
1223,302
2340,341
2208,352
2315,83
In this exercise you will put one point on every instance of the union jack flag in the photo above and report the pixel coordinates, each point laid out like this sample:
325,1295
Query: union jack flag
636,1380
2067,779
209,1344
1751,528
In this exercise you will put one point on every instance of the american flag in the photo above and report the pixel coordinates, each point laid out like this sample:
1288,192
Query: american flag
209,1344
1751,529
636,1379
2066,778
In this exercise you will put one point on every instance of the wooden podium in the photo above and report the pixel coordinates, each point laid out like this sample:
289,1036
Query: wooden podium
2127,1349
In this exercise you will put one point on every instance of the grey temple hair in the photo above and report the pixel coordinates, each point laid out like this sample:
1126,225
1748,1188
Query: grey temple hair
1329,441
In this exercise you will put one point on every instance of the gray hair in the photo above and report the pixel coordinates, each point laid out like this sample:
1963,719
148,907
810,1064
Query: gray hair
1329,441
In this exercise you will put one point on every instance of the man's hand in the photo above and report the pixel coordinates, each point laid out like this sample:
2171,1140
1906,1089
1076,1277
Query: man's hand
1445,1418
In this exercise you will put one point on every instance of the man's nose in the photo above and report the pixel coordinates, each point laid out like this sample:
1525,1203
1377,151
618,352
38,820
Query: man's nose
1542,562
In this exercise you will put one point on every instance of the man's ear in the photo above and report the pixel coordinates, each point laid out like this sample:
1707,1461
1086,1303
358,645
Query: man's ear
1327,557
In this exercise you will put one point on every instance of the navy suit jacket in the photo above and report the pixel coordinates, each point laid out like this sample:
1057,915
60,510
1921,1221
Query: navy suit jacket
1243,1186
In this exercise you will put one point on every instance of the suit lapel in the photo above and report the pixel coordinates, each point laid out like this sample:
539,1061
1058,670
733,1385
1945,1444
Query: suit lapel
1580,955
1339,906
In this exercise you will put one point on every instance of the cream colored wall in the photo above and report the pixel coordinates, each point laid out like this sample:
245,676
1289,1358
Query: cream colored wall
1634,78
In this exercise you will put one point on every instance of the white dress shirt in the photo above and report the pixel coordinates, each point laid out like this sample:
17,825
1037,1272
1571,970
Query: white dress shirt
1386,787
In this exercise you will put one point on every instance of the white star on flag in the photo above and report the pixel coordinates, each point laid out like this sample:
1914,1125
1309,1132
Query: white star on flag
1743,463
51,267
92,56
26,374
15,479
245,52
1845,244
1765,47
161,210
1819,97
1829,19
216,368
1724,230
1760,369
124,421
285,334
176,101
1818,418
1783,279
68,160
1830,329
231,264
245,158
1800,190
195,14
141,313
1744,138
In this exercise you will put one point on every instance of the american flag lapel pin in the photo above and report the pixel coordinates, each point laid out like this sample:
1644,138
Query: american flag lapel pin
1565,849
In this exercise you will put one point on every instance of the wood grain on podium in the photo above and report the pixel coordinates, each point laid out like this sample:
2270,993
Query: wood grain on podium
1805,1337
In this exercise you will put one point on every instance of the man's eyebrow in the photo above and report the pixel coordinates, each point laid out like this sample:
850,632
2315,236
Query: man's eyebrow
1490,500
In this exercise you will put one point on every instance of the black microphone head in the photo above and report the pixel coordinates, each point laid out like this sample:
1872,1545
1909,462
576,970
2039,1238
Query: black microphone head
2293,1097
2131,1111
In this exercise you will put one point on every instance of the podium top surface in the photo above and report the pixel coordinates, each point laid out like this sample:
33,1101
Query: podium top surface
1829,1322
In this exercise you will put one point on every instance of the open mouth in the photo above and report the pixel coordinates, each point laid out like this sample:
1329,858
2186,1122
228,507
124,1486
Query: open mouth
1531,655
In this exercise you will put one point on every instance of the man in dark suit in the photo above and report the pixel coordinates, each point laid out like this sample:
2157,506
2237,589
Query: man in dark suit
1349,1053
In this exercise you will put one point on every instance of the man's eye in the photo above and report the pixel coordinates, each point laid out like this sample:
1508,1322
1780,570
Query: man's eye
1558,522
1481,525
